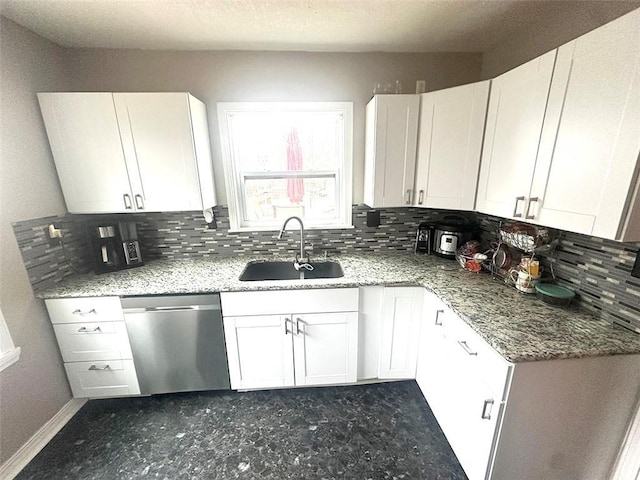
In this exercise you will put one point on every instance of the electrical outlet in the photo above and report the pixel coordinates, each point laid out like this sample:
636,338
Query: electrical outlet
54,235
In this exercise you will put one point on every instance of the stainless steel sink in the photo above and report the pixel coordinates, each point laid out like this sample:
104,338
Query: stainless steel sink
259,271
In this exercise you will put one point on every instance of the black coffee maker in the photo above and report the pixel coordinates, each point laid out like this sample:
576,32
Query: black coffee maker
424,238
115,246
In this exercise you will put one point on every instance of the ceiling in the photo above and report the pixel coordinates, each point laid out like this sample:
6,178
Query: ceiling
299,25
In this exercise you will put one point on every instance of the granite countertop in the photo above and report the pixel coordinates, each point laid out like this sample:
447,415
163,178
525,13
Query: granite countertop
520,327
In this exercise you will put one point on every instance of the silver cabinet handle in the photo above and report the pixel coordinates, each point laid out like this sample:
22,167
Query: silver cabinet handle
298,329
106,367
86,312
408,194
486,409
139,202
466,348
286,330
531,200
420,197
515,209
86,330
127,201
438,320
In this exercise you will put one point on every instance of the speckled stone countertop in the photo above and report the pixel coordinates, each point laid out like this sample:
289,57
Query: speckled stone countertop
520,327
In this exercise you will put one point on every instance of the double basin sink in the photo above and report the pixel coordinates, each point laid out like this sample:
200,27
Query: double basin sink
260,271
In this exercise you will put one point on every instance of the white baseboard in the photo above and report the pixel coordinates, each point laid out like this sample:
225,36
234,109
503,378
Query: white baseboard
39,440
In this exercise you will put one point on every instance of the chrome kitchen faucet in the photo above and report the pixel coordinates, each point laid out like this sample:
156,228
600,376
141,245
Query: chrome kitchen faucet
301,261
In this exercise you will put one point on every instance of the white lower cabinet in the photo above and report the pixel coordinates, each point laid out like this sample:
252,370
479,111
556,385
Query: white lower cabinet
260,353
400,327
390,319
463,381
291,338
556,419
94,344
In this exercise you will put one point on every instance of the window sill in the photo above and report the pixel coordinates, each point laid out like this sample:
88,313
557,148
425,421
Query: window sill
9,358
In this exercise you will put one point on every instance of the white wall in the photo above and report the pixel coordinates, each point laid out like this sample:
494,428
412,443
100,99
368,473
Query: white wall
35,388
270,76
557,31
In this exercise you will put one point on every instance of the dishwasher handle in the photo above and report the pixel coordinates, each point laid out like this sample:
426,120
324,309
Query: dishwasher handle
173,309
170,303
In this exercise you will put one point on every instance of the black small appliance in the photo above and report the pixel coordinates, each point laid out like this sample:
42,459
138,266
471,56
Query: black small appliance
115,246
424,238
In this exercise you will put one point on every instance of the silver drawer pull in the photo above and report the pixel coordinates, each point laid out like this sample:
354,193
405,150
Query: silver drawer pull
83,313
438,320
106,367
86,330
486,409
466,348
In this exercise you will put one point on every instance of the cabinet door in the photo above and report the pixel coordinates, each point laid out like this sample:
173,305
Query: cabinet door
85,142
325,348
401,315
592,133
159,147
449,146
512,136
390,150
260,351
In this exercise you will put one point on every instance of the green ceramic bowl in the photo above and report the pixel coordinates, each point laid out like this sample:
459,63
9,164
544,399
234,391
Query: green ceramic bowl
554,294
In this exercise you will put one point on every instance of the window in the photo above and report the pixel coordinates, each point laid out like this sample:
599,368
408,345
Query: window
8,353
284,159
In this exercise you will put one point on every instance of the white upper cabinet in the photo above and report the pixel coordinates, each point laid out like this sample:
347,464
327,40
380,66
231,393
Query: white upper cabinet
514,124
563,152
128,152
390,150
449,146
85,142
586,177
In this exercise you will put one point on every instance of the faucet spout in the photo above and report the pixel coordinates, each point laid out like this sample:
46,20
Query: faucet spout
284,226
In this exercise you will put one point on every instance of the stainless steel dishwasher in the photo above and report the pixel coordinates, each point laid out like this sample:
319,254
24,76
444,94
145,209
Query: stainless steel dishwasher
177,342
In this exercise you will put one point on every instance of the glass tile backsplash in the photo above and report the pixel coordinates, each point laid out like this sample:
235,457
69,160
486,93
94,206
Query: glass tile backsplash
598,270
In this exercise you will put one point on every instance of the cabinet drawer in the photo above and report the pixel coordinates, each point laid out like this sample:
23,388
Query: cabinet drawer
86,309
476,358
84,342
102,379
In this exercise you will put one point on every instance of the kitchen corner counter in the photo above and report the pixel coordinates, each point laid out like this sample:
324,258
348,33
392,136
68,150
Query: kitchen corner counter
520,327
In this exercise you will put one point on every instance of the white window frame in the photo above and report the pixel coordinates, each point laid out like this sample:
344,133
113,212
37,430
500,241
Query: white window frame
234,181
9,353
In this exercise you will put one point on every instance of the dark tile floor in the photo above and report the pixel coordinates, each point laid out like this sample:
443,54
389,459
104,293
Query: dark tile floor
382,431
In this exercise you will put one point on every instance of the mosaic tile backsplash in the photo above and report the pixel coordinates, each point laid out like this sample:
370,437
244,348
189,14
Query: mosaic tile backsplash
185,234
598,270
